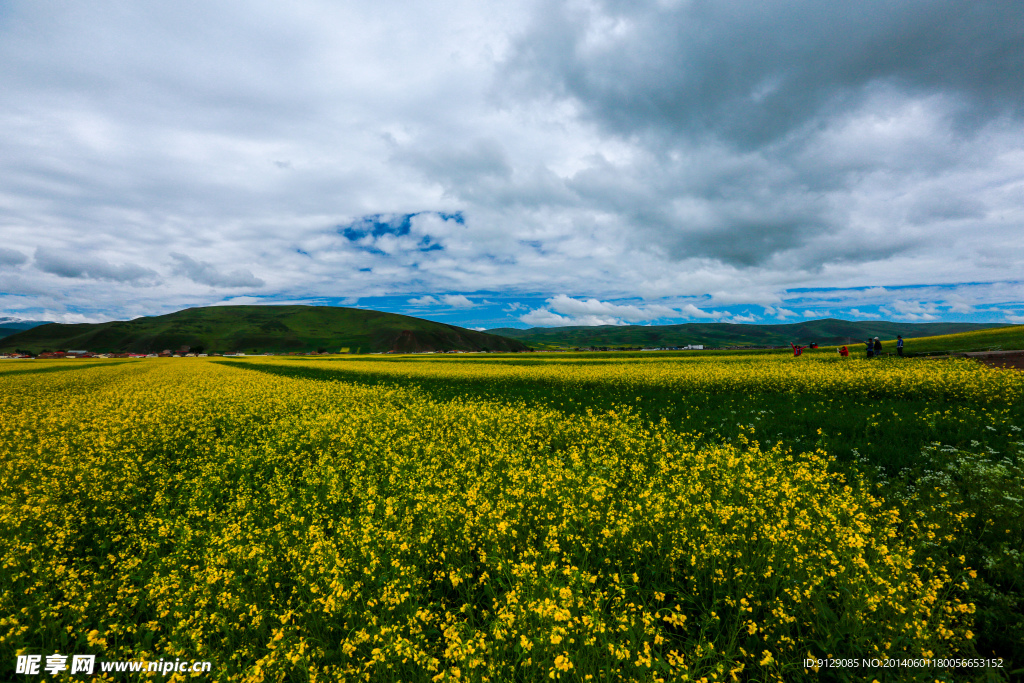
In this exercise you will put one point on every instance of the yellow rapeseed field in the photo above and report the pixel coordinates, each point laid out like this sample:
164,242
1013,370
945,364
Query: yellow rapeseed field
298,529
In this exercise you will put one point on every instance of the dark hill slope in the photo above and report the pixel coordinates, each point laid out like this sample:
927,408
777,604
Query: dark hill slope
9,326
263,328
825,331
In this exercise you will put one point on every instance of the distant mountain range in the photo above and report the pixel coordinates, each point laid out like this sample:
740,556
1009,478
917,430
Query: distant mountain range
9,326
311,328
261,328
824,331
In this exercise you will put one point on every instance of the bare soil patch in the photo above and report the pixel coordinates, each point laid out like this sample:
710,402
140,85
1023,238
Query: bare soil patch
1010,360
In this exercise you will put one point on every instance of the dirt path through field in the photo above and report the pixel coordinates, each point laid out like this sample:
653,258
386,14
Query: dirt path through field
1010,360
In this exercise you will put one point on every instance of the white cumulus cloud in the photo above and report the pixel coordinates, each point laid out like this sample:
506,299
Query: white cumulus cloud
457,301
596,309
691,311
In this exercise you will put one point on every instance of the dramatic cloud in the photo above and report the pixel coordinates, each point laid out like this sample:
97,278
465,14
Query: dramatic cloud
12,257
68,265
810,134
583,162
748,77
205,273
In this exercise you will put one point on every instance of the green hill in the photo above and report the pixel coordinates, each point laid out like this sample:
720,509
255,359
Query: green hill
997,339
260,329
825,331
9,326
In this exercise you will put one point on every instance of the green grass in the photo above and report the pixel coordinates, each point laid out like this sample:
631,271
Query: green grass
997,339
824,331
1001,339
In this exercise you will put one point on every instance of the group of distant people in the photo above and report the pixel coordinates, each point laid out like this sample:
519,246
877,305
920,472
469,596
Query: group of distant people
874,348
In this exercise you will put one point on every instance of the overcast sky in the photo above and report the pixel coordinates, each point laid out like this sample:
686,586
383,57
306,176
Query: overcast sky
515,164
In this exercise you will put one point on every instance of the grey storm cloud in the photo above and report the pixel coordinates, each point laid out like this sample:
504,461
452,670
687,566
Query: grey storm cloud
63,264
12,257
205,273
790,134
752,73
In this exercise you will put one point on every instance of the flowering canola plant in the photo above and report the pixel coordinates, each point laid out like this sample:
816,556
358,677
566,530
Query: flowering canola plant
295,528
949,380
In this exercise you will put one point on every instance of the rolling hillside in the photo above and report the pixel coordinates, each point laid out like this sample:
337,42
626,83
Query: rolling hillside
825,331
997,339
262,328
9,326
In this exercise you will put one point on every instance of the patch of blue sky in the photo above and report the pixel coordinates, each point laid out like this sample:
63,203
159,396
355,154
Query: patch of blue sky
428,244
380,224
376,225
458,217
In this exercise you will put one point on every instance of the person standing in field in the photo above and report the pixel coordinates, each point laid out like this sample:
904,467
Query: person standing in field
878,347
797,350
899,346
871,348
